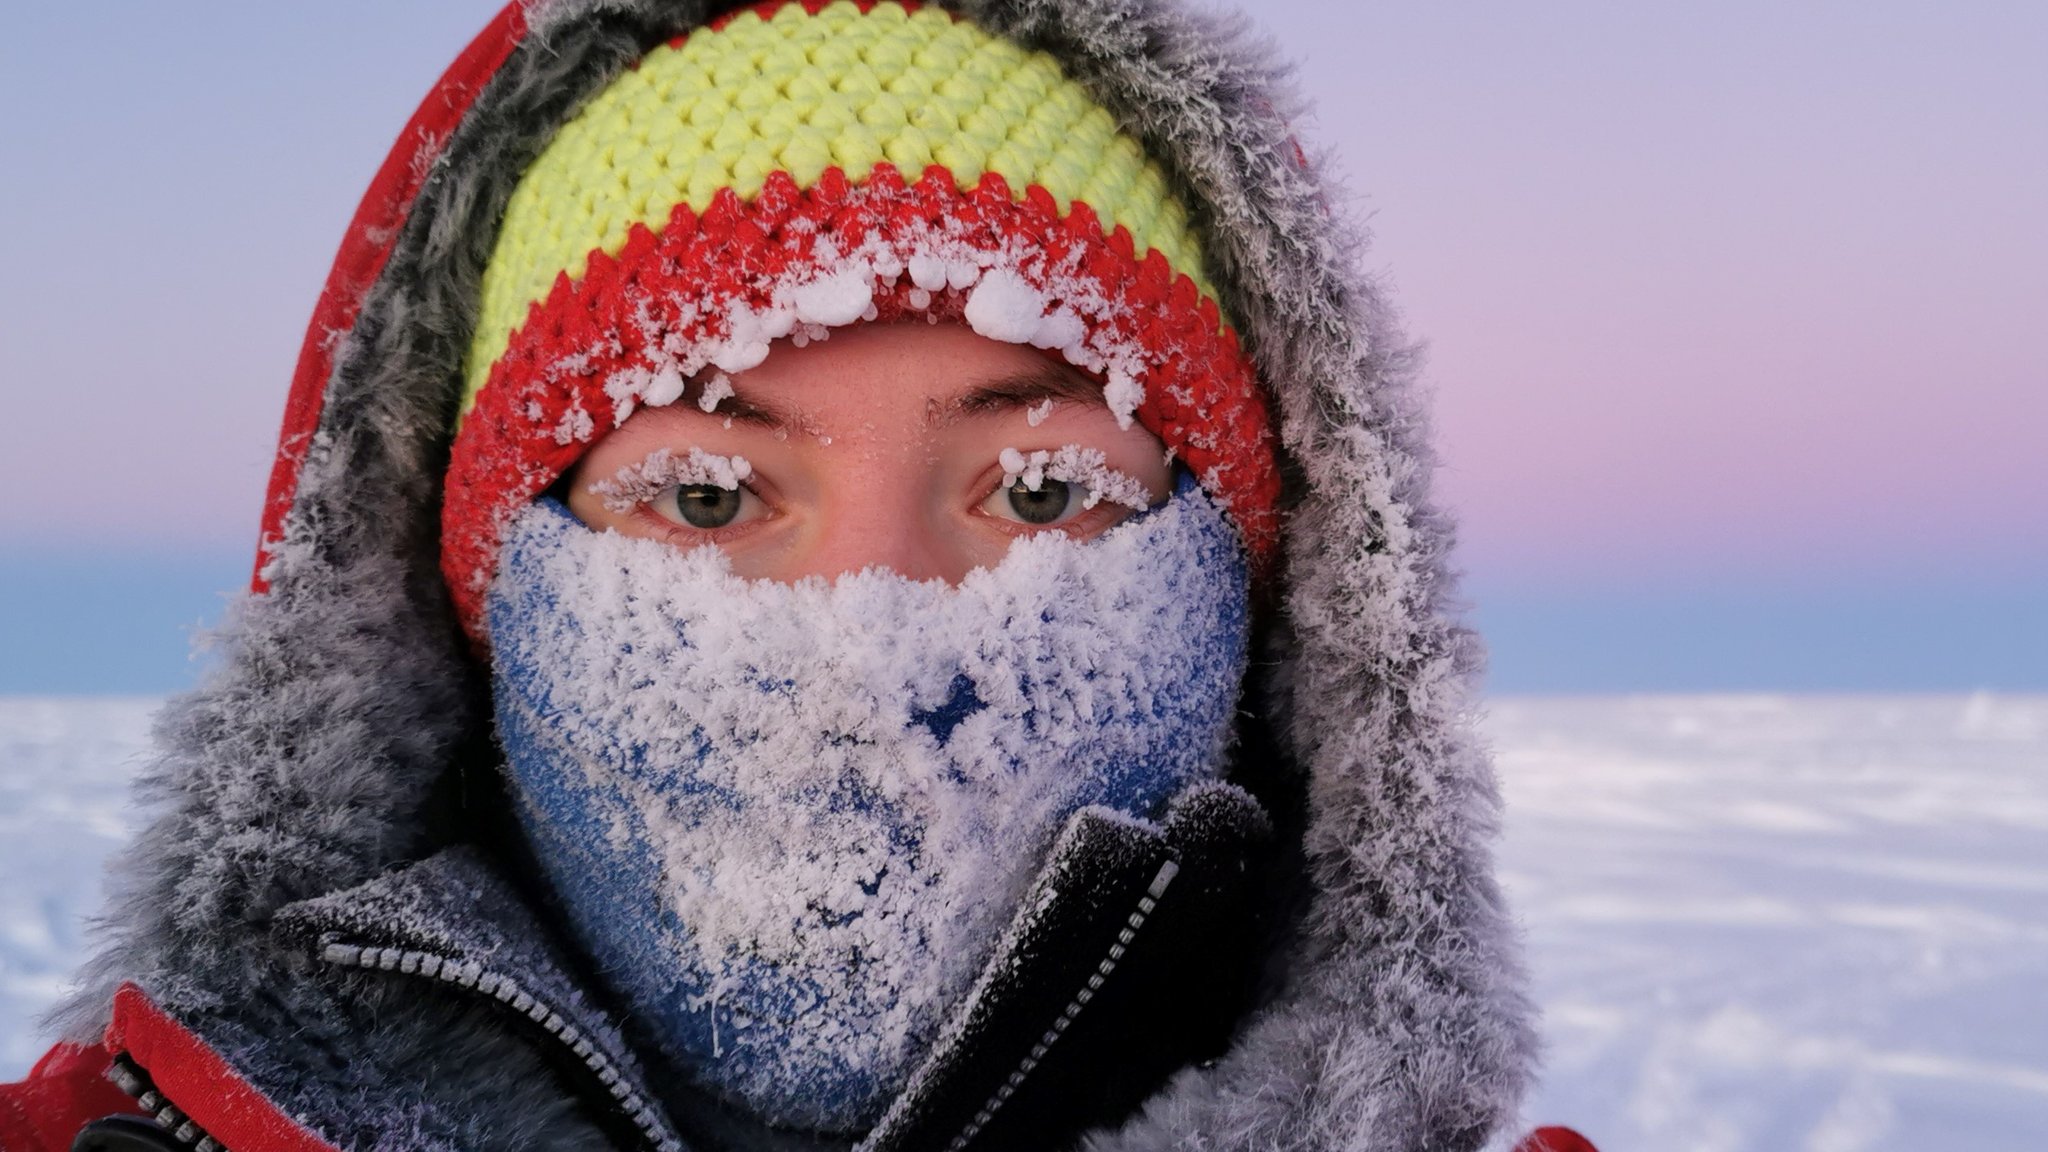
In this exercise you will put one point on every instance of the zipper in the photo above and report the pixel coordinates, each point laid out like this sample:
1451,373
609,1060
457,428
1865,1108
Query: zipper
474,977
1108,965
129,1077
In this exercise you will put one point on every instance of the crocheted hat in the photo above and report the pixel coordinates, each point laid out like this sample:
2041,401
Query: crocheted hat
748,182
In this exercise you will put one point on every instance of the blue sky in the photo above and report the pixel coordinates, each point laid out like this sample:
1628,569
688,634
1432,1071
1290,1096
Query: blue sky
1734,317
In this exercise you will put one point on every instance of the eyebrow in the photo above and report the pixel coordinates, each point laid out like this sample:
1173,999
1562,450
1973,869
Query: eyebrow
741,408
1026,389
1018,390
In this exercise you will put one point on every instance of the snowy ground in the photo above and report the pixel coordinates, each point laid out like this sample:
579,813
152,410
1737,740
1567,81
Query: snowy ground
1813,925
1757,924
64,769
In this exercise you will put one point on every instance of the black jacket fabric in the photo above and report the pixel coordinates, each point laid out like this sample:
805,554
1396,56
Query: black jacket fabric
1131,959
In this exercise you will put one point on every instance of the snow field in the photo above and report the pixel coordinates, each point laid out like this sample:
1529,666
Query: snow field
1785,925
64,771
1756,924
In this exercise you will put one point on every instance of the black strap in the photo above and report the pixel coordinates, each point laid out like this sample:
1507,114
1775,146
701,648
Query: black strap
126,1134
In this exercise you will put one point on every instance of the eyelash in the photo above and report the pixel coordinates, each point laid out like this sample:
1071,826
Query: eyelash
637,485
1074,464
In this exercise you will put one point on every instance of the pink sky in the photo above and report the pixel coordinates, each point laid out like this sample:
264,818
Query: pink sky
1727,294
1741,287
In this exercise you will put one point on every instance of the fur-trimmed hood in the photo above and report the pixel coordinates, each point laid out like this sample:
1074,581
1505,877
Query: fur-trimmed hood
346,710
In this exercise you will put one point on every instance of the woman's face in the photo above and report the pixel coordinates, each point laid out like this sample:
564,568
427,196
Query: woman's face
884,447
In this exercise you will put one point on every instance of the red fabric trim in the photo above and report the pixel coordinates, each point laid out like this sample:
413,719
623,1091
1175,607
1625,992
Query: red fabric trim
547,397
365,248
66,1090
199,1082
1555,1139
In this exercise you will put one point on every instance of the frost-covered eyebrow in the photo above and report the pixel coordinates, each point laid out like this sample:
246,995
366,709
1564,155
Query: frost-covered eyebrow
1017,391
741,408
1025,389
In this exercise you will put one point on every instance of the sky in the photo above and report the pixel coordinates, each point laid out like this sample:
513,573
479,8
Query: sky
1734,316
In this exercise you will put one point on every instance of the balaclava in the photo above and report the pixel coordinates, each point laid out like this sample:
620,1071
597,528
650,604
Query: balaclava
790,822
786,824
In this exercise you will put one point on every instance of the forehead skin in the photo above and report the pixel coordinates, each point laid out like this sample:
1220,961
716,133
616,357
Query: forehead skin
947,371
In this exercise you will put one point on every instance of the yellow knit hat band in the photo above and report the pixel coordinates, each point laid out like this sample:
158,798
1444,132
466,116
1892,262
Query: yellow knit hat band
794,90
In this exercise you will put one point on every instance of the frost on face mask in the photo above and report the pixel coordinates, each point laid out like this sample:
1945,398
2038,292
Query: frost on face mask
787,821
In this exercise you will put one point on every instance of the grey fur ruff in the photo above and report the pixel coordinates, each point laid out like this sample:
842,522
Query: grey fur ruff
308,762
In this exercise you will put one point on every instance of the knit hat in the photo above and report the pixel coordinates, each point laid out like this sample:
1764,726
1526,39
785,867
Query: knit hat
798,166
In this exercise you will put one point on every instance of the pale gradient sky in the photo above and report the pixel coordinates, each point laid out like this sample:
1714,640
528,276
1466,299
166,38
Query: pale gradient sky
1741,300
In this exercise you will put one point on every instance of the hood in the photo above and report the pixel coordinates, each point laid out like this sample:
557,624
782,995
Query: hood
317,754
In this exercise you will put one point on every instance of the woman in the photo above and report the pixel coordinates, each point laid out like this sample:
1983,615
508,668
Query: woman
838,575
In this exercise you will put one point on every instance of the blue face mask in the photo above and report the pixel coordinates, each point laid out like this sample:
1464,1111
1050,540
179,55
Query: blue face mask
787,822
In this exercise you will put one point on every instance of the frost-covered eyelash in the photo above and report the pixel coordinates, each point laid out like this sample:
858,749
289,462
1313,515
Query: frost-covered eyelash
637,484
1073,464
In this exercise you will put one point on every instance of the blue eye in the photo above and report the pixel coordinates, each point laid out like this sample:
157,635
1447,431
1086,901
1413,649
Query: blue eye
705,506
1051,504
1046,505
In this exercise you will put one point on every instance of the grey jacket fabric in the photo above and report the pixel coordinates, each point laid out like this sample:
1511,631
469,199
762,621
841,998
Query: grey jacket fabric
321,754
